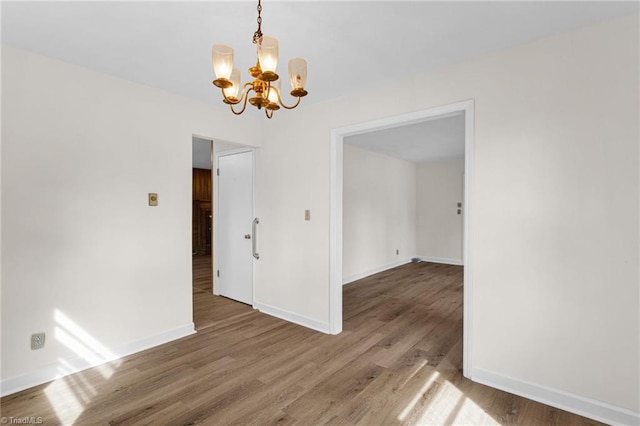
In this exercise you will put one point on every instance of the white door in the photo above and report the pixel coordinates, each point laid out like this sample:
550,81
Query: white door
233,232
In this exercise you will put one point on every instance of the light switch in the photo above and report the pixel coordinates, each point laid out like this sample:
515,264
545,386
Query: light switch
153,199
307,215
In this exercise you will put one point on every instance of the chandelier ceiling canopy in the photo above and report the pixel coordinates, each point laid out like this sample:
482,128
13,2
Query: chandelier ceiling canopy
264,92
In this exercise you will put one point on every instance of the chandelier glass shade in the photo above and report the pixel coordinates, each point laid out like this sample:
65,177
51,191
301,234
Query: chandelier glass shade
264,91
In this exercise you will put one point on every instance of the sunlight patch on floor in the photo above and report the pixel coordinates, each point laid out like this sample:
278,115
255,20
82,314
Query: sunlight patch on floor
450,406
403,415
72,392
416,369
471,413
64,401
84,390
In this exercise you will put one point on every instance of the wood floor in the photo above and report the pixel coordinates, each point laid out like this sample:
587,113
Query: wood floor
208,309
398,361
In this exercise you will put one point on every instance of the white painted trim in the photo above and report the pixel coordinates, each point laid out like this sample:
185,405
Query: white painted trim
456,262
404,119
214,207
469,161
361,275
293,317
216,225
335,233
53,371
567,401
336,182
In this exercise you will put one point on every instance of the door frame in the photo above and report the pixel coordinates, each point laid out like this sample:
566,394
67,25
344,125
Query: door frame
336,207
216,201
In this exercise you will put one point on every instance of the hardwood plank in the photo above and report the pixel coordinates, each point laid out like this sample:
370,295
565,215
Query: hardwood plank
398,361
210,310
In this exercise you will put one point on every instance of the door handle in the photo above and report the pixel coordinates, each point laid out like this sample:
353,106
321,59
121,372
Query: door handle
254,241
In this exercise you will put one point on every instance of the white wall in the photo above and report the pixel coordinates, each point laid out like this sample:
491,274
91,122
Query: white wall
292,275
440,188
379,212
555,220
80,152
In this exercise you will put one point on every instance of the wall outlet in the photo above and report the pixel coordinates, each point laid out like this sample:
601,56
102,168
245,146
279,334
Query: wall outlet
37,341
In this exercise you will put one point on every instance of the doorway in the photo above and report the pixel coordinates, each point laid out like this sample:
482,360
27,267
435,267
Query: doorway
208,308
202,215
336,213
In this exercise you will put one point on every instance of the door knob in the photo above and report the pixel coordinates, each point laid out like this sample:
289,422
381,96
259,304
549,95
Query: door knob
247,237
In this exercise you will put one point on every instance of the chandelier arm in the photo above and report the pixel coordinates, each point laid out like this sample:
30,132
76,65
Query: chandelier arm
287,106
266,111
244,105
232,102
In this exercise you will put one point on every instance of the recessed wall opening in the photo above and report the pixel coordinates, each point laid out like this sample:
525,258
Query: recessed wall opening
208,307
403,189
400,194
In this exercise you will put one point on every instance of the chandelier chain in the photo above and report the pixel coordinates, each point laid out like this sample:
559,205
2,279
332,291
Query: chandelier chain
258,33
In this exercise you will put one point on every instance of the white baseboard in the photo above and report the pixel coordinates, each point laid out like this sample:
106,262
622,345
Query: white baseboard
293,317
361,275
457,262
580,405
54,371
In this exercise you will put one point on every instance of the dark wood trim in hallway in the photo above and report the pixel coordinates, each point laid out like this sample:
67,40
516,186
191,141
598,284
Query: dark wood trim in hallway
398,361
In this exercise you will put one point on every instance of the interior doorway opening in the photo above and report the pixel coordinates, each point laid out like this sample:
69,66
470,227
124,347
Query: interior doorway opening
208,308
402,196
465,108
201,198
202,229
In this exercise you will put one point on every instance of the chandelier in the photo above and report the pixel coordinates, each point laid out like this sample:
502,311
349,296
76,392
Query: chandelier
264,91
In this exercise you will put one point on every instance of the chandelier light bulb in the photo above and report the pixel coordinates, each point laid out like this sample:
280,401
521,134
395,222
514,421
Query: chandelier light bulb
232,91
268,54
297,73
222,58
274,92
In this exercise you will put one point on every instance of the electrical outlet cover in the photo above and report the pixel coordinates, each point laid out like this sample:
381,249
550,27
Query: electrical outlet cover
37,341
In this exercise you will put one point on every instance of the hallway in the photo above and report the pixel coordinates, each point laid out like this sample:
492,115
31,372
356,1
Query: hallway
208,309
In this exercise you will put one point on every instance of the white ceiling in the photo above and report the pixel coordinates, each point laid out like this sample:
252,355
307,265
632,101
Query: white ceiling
349,46
429,141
